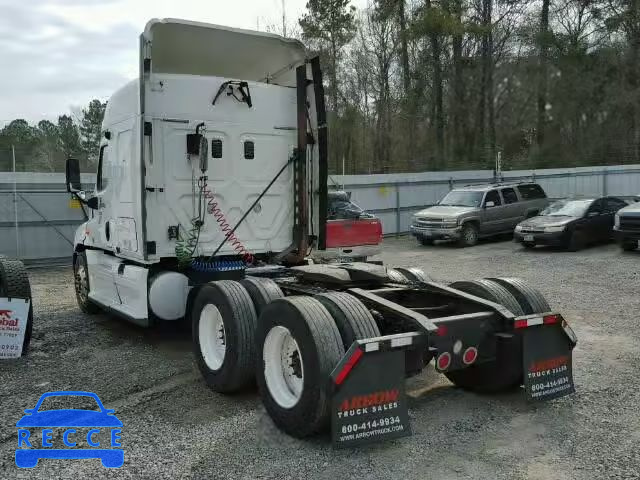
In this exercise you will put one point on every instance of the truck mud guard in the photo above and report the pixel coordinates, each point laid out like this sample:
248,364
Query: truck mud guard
547,344
369,402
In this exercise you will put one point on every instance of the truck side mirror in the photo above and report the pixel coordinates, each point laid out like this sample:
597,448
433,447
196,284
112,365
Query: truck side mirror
72,172
489,204
93,203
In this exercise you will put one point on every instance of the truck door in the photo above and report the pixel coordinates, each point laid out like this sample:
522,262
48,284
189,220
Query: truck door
596,221
100,266
492,216
513,209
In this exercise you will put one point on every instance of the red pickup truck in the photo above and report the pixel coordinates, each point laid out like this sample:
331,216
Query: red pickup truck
352,233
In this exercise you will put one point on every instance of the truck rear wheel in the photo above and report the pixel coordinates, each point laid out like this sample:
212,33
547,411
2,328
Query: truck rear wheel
413,274
299,346
396,277
468,235
504,373
353,319
629,246
426,241
14,283
262,291
224,324
491,291
529,298
81,283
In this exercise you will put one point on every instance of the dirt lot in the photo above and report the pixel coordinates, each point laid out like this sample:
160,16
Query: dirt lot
175,427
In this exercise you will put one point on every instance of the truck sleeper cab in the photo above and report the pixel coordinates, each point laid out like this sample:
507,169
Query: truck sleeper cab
160,201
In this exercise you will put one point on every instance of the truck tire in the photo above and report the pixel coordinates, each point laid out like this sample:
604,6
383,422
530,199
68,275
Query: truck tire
413,274
353,319
396,277
14,283
301,331
491,291
577,241
224,323
425,241
529,298
468,235
262,291
81,283
629,246
505,372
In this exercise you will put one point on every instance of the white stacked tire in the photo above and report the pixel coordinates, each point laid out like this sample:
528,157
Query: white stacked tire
14,283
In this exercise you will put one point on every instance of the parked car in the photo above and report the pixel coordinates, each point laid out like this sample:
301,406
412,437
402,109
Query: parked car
469,213
627,226
353,234
571,223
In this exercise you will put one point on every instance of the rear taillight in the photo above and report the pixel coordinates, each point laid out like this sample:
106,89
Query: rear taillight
379,224
533,321
444,361
470,355
550,319
520,324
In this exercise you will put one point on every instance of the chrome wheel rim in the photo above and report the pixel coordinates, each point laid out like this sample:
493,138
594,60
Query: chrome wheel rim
212,337
81,282
470,235
283,367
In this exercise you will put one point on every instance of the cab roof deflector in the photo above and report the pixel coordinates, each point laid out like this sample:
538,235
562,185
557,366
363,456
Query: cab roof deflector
194,48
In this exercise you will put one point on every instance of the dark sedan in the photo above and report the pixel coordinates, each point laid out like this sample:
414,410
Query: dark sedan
571,223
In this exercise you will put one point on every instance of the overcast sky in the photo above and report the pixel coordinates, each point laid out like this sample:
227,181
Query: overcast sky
58,54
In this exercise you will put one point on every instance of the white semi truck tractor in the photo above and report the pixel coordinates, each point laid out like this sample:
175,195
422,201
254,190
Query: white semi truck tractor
212,190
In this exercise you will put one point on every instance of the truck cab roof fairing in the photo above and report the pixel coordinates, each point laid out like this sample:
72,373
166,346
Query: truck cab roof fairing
194,48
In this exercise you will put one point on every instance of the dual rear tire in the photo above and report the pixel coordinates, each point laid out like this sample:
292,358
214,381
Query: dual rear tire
504,372
248,331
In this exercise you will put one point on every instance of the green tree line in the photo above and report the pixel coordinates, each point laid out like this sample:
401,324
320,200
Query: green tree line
415,85
45,146
418,85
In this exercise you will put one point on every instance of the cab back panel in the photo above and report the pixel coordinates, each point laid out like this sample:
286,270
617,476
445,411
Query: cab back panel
175,106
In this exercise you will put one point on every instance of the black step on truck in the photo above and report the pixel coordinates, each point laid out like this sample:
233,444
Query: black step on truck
210,172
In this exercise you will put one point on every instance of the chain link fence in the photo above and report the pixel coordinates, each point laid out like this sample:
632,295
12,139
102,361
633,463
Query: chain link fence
38,218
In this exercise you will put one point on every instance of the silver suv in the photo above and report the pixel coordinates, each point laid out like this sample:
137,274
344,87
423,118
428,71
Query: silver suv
475,211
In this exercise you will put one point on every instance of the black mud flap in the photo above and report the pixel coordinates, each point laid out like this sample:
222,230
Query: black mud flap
547,361
369,403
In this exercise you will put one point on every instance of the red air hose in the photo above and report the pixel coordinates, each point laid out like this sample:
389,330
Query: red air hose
214,209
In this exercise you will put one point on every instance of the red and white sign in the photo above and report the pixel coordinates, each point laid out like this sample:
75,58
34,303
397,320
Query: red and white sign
13,325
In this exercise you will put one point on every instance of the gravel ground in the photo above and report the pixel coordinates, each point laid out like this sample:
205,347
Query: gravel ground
175,427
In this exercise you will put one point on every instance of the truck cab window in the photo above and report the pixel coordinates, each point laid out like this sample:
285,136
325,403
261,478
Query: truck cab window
103,178
216,148
509,195
493,196
249,150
